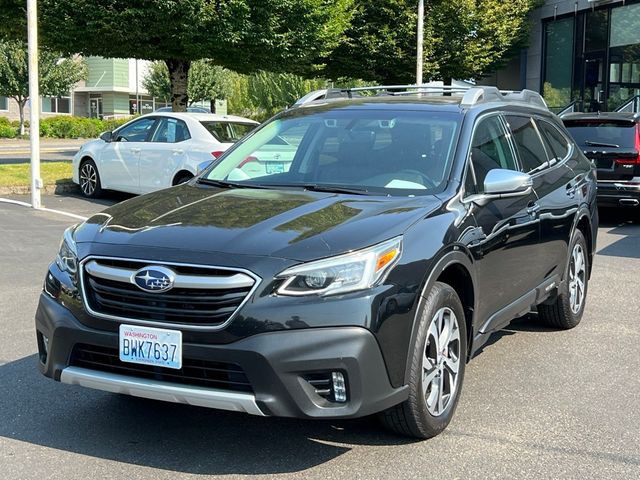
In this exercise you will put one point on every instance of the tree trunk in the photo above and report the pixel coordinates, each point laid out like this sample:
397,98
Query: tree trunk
447,83
212,105
21,103
179,76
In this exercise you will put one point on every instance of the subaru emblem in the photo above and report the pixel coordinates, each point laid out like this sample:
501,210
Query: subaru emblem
154,279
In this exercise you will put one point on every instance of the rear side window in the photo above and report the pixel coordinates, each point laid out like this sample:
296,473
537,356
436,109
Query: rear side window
556,140
171,130
228,132
533,155
489,150
616,134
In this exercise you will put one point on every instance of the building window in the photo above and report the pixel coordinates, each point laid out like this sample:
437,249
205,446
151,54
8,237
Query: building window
146,105
558,62
4,103
624,55
56,105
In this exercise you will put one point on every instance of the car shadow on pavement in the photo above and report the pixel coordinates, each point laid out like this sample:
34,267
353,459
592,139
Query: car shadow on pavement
168,436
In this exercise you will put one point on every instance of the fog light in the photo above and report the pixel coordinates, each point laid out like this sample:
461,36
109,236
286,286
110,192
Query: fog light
339,387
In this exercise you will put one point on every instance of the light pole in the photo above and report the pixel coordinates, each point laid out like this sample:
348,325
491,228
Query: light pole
34,103
420,42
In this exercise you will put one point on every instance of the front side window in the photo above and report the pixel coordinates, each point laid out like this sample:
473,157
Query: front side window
171,130
375,151
137,131
531,150
490,150
228,132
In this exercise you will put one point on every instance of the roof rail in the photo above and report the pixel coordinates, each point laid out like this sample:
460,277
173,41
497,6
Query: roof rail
471,95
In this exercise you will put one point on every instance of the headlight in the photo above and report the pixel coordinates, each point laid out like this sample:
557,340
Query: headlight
345,273
67,259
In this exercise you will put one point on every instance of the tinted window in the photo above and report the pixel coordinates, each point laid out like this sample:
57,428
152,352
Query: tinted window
556,140
384,151
489,150
228,132
171,130
531,150
136,131
602,131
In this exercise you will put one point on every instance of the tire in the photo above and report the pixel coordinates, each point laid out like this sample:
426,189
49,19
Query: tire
89,177
566,311
182,178
422,415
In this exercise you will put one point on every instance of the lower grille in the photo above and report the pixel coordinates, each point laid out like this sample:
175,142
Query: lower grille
194,372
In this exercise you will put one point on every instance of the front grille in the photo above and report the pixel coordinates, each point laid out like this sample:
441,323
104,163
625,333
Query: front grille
180,306
194,372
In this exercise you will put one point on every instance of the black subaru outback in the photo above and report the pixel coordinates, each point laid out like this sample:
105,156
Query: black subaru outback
357,278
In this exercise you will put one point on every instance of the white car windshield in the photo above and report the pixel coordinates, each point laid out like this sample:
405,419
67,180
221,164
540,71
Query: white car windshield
387,152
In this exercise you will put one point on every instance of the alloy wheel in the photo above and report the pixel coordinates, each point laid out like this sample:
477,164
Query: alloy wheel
441,361
88,179
577,275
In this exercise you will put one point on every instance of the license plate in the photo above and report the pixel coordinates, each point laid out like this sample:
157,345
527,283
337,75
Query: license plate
275,167
151,346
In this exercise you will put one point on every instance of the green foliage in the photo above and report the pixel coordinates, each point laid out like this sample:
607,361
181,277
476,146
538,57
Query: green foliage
463,39
65,126
57,75
242,35
206,81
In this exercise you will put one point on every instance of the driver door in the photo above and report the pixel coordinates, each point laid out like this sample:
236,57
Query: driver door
119,162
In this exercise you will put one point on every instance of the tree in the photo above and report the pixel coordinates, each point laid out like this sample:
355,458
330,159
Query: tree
464,39
207,82
242,35
57,74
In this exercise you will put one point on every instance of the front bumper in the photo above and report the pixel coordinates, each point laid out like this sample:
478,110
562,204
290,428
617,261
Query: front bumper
275,363
619,194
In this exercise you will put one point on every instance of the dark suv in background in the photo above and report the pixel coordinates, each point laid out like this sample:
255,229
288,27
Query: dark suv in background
612,142
358,278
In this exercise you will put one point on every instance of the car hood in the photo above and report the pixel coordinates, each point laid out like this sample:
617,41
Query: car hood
292,224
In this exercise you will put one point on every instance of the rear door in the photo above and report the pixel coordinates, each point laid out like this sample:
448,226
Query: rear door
164,154
118,164
612,144
543,152
509,243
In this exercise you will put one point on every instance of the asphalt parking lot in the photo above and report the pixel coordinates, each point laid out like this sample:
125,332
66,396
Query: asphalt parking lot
536,403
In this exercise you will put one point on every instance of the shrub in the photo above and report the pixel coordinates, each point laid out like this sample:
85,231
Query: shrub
7,131
76,127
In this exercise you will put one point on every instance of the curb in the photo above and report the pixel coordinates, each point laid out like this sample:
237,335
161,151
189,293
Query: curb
58,188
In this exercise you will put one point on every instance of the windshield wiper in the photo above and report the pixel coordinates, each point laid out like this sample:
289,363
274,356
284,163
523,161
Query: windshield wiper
600,144
225,184
335,189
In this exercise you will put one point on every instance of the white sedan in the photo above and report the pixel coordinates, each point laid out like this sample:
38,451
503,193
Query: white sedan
155,151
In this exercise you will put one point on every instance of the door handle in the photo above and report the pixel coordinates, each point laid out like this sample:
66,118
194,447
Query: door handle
178,151
135,150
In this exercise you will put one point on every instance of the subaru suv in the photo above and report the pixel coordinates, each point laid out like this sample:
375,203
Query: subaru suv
359,280
612,142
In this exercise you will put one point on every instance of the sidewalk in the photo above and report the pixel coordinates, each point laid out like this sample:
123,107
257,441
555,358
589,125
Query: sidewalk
9,146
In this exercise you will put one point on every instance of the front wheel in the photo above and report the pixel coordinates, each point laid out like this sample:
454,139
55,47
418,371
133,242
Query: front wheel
437,367
90,185
566,310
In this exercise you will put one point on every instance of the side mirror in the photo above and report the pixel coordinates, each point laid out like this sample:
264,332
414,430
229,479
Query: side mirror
507,183
106,136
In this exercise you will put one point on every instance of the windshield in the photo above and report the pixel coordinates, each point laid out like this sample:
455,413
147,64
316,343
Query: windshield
228,132
621,134
377,151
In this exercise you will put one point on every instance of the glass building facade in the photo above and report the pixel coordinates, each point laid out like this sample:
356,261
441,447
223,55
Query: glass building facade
592,58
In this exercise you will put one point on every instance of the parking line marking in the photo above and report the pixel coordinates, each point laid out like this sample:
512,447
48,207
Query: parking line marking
44,209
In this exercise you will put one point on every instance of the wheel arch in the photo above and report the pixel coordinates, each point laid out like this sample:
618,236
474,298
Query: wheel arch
183,171
455,268
584,223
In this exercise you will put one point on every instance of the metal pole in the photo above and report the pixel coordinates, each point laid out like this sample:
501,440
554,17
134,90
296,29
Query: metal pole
420,42
138,109
34,103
